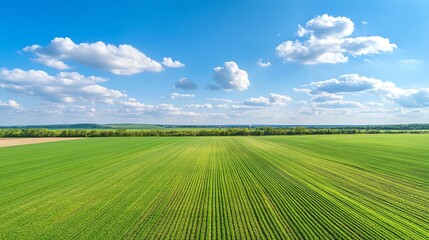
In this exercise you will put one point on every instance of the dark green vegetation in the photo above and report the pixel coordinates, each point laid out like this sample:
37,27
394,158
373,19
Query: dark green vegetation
299,187
261,131
134,130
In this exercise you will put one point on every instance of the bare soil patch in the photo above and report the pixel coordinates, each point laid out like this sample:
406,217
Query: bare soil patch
7,142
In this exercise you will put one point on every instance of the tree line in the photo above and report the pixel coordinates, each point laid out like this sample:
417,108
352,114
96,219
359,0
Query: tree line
42,132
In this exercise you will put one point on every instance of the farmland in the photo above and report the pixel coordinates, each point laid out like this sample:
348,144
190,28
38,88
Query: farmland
7,142
271,187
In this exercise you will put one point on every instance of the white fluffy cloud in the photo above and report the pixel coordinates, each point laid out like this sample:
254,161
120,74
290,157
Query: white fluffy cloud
64,87
339,104
71,110
329,42
257,101
222,106
139,106
411,98
181,95
185,84
51,62
122,60
272,100
326,93
349,83
231,77
260,63
132,107
323,97
168,62
9,104
326,26
278,99
225,100
200,106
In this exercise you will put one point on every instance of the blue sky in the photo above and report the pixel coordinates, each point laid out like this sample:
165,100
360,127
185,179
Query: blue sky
214,62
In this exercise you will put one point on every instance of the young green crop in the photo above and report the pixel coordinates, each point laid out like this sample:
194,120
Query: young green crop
296,187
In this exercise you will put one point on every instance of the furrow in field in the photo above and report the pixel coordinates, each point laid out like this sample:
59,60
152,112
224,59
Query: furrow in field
298,187
314,181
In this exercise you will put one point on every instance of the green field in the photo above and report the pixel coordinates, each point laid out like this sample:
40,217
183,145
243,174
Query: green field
298,187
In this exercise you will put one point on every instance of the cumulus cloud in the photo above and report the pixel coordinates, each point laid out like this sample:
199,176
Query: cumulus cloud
323,97
131,102
339,104
411,98
132,107
260,63
52,62
326,93
200,106
185,114
278,99
257,101
121,60
220,100
168,62
9,104
349,83
245,107
70,110
272,100
329,42
185,84
139,106
230,77
181,95
302,90
326,26
64,87
222,106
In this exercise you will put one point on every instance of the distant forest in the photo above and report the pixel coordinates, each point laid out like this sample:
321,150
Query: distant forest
243,131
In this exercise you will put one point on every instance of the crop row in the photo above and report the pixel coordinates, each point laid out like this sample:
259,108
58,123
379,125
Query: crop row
329,187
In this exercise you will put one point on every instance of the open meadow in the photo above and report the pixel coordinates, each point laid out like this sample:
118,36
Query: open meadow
276,187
